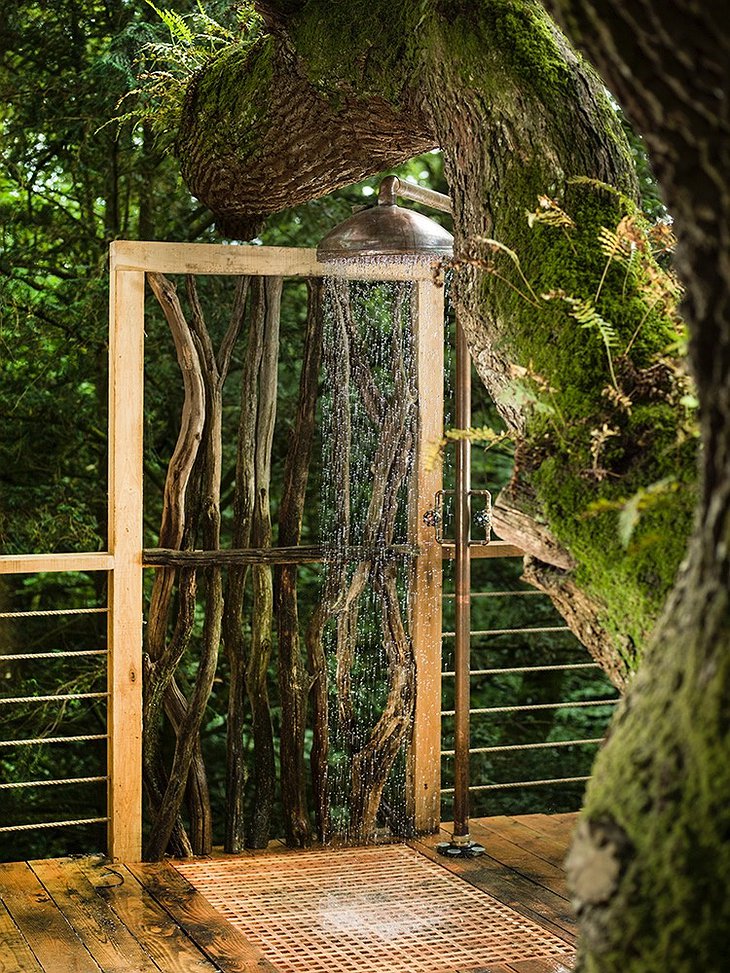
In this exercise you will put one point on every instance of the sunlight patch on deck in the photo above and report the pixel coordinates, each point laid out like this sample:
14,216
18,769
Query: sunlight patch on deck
369,910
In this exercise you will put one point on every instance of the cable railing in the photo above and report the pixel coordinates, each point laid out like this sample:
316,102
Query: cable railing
498,653
80,690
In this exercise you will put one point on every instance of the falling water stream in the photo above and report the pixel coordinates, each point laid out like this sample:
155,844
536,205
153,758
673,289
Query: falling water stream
369,410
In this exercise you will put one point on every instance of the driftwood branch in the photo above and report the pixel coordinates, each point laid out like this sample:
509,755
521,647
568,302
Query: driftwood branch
293,678
257,666
163,655
235,643
183,457
188,771
252,524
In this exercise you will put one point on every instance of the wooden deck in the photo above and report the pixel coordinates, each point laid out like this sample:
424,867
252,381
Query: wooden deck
82,915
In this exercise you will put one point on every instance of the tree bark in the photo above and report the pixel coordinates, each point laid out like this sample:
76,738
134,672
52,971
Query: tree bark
651,856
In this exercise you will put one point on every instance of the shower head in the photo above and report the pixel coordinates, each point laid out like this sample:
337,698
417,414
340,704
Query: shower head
388,231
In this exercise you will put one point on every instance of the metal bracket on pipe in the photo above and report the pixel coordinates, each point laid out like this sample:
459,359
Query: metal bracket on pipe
482,518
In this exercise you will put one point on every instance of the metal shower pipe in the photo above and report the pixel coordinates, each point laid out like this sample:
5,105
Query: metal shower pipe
392,187
462,591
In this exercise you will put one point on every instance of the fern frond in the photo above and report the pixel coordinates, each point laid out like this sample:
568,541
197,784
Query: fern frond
609,242
550,213
496,247
587,316
175,23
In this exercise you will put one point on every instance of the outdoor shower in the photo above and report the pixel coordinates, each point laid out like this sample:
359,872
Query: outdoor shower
391,232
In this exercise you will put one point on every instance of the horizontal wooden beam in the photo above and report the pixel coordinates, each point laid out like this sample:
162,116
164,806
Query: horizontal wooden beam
164,557
232,259
55,563
492,549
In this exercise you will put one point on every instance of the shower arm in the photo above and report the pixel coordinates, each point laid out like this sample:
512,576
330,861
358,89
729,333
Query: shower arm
391,187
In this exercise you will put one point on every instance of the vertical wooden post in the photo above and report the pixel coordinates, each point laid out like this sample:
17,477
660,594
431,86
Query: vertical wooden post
126,385
425,757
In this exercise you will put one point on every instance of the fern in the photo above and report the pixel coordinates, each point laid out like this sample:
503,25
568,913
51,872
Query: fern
483,435
584,312
176,23
164,68
550,212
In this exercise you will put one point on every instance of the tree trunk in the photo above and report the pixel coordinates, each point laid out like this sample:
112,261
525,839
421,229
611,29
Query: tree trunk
650,867
519,116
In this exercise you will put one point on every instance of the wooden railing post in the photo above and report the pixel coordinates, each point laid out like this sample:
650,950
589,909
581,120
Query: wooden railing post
425,756
126,381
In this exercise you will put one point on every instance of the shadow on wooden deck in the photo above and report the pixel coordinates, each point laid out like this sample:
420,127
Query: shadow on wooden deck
83,915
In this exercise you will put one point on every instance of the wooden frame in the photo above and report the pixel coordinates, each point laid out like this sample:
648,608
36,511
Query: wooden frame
129,261
424,765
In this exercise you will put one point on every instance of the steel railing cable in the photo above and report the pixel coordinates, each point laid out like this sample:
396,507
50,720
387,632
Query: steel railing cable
74,822
515,669
510,748
18,785
62,654
51,698
486,710
39,741
521,783
46,613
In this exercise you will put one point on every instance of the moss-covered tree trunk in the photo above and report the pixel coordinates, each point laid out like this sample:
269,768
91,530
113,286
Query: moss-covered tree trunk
651,862
518,114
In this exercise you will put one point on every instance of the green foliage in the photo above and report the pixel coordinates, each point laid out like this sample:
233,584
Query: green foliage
165,68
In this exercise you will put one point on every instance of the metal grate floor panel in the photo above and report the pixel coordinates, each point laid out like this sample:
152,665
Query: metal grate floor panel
385,909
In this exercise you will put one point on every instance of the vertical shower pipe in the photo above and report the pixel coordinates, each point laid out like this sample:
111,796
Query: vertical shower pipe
462,559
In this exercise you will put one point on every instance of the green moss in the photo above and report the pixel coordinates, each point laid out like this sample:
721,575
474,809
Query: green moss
358,48
645,445
232,96
665,778
632,583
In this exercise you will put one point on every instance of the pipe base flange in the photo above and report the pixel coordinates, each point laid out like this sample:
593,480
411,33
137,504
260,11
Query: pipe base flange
451,849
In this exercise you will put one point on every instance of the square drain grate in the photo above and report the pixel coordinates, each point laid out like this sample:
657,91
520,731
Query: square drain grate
385,909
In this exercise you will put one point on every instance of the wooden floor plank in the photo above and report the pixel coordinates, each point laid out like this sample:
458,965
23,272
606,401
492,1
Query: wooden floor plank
520,859
15,953
228,948
107,938
486,873
557,826
151,925
53,941
549,847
